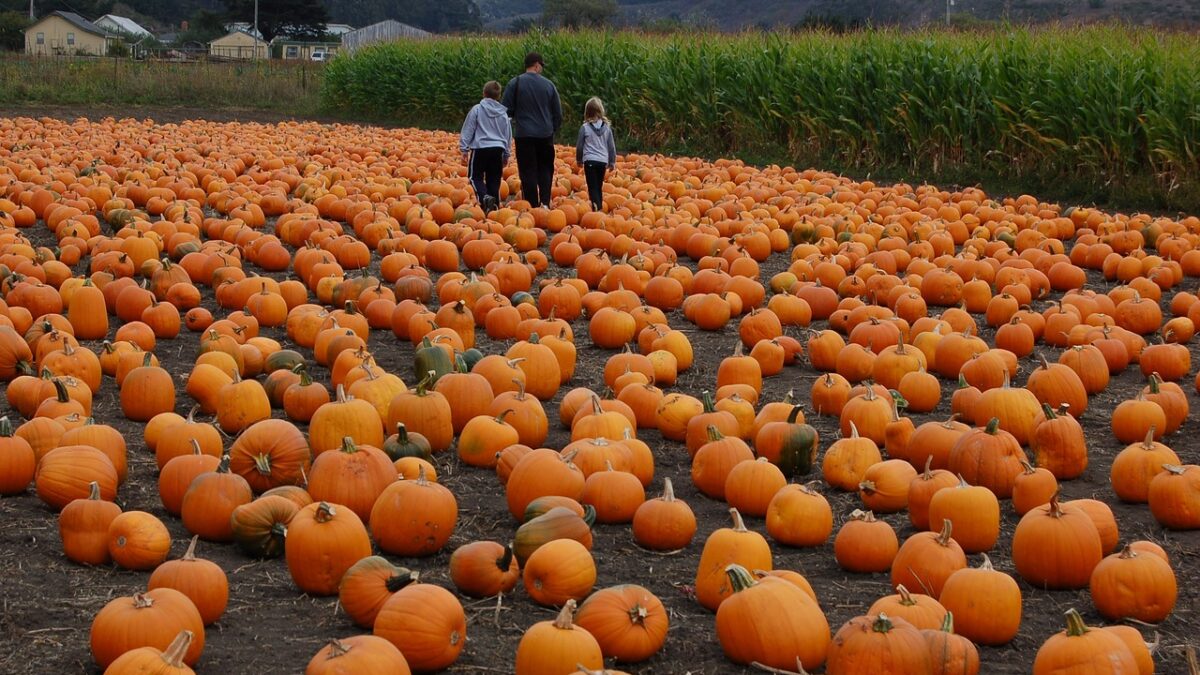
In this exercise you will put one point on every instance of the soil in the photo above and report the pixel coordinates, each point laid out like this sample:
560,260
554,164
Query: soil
47,603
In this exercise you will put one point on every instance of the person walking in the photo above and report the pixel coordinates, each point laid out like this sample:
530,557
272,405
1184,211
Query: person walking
533,104
595,150
484,141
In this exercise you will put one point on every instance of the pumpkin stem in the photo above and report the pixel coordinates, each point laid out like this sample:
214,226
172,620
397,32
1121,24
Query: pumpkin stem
1128,553
993,426
1075,625
947,529
142,601
714,434
566,616
986,564
262,462
668,494
1063,408
223,467
853,429
738,524
190,553
707,398
325,512
882,624
505,559
421,475
1173,469
1055,508
906,598
348,446
93,490
948,623
337,648
1148,443
1048,411
790,396
739,578
402,578
795,412
173,654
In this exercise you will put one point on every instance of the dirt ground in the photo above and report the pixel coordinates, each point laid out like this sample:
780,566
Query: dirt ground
47,603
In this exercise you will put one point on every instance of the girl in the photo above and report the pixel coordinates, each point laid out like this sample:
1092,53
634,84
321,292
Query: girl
595,150
484,142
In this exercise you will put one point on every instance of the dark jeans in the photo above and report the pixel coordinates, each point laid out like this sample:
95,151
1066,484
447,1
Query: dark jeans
485,171
594,172
535,166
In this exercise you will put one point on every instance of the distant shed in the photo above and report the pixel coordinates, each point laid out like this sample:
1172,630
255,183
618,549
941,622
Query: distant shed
384,31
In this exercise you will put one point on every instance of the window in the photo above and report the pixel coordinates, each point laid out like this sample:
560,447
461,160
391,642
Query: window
71,39
41,38
293,52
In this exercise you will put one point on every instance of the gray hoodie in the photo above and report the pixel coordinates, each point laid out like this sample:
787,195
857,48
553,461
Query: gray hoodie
533,103
595,144
486,126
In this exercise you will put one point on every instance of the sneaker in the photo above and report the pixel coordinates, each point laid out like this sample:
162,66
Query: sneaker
488,203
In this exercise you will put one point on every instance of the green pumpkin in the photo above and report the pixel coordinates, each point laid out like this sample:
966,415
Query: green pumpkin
429,358
470,358
557,523
404,444
798,451
284,359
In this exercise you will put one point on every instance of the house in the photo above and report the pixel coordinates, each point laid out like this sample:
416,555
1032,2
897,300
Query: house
238,44
67,33
384,31
122,25
244,27
289,49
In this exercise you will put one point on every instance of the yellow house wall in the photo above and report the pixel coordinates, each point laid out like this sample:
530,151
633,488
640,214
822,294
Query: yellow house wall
238,45
55,30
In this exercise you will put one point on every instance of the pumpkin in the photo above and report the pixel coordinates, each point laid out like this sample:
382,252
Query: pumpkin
558,571
848,458
259,528
926,559
147,391
424,412
367,585
1083,649
664,523
950,654
1056,546
270,454
922,489
865,544
482,569
167,661
343,417
1174,497
985,602
884,487
426,623
920,610
539,473
1130,585
17,461
202,581
990,457
799,516
323,541
366,654
1133,419
138,540
615,495
1102,517
558,646
877,644
751,485
1136,466
790,444
150,619
770,622
1033,488
413,517
629,622
559,522
1055,384
724,547
484,437
83,527
66,473
1016,410
210,500
353,476
1058,444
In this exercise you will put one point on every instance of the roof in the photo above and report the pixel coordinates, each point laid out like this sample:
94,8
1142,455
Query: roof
125,24
389,25
338,28
316,43
77,21
247,33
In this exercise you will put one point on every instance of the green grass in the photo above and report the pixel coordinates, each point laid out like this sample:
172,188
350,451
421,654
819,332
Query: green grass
1112,112
264,85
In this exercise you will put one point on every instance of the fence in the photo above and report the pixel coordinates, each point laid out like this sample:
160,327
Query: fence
175,77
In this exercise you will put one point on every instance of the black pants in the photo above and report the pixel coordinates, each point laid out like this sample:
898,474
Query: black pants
535,166
594,172
485,171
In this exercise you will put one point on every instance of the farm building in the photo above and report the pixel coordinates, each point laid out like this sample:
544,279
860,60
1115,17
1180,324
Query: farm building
67,33
122,25
238,44
383,31
290,50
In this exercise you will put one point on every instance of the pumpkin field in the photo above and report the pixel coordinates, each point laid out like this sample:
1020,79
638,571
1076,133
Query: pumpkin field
282,398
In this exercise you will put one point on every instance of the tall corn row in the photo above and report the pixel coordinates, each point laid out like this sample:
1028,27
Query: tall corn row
1101,103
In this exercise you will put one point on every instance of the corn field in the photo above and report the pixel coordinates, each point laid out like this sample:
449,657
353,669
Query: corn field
1098,104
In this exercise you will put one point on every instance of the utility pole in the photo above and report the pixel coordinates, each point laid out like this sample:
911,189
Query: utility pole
949,4
31,16
257,35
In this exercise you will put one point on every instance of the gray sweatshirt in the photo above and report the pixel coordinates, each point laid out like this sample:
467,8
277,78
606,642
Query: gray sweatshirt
486,126
595,144
533,103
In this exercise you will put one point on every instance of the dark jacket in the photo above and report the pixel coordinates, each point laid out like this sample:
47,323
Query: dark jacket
532,102
595,144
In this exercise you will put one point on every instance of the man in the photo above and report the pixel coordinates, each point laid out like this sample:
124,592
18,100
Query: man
532,101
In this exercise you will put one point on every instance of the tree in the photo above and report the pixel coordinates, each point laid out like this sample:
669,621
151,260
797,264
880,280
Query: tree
204,26
577,13
290,18
440,16
12,30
